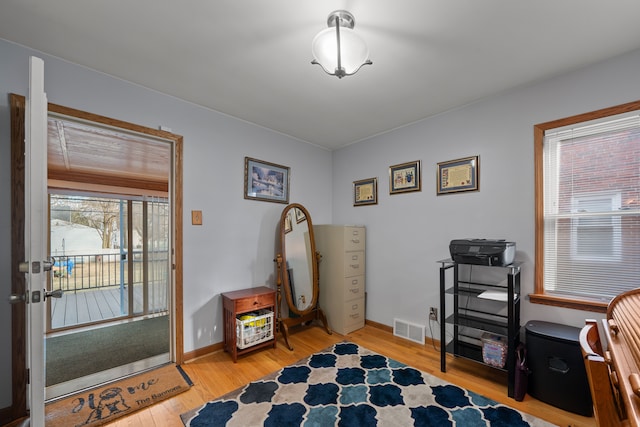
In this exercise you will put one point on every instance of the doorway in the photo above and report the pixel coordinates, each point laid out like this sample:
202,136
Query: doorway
90,176
112,270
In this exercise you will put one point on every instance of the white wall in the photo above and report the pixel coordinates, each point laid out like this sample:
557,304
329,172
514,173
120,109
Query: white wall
408,233
235,246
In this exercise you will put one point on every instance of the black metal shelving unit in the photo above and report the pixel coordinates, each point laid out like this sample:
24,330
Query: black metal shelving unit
467,316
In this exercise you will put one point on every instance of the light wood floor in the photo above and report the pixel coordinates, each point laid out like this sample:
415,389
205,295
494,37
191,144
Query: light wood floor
216,374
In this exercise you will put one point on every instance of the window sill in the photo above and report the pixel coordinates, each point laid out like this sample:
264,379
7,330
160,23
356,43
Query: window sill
586,305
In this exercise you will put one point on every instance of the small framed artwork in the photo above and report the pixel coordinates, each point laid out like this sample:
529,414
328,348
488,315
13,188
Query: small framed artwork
300,216
288,223
405,177
458,175
265,181
365,192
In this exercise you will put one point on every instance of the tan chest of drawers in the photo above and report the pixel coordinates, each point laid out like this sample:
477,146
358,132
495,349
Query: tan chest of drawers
342,275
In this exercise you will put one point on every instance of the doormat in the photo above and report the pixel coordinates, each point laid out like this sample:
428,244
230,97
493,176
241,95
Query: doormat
103,404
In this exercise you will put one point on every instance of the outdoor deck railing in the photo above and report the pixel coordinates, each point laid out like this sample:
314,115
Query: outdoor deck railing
73,273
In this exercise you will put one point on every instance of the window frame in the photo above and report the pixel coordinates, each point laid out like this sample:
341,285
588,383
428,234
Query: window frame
539,296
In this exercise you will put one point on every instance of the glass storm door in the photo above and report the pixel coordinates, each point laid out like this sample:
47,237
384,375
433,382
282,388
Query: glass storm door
36,230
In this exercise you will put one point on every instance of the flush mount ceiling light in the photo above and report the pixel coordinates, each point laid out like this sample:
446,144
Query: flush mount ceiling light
338,49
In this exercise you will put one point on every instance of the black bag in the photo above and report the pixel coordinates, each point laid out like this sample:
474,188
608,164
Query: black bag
522,373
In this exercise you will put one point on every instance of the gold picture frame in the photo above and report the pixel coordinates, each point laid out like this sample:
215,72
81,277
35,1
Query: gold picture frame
405,177
365,192
459,175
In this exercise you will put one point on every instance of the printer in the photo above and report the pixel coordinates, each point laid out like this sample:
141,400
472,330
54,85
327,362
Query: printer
482,252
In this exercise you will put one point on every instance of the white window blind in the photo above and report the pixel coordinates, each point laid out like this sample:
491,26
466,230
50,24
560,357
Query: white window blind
592,208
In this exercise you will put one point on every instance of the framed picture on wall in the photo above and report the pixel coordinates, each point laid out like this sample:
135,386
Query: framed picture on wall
405,177
288,223
300,216
265,181
365,192
455,176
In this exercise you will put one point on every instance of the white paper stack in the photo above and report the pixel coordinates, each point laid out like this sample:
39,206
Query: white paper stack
496,295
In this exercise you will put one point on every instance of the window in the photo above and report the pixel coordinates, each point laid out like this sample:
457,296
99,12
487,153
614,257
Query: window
588,208
595,237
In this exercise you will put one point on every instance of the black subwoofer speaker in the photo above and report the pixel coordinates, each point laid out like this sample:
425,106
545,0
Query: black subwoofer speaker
558,376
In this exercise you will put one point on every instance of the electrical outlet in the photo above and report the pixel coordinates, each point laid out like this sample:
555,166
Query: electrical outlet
433,313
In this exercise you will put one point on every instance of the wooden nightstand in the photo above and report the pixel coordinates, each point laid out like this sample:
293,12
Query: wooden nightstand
259,329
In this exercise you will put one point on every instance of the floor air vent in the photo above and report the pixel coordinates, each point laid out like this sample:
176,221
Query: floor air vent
410,331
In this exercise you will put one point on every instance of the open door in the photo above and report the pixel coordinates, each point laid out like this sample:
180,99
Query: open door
36,230
30,170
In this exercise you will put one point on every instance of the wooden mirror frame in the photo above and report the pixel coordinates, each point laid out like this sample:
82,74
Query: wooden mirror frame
313,311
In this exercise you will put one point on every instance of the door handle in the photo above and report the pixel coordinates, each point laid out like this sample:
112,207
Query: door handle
17,298
47,265
53,294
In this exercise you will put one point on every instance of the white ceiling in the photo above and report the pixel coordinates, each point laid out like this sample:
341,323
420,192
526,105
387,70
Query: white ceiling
251,58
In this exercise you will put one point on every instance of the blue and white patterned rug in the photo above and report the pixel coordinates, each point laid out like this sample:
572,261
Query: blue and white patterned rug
349,386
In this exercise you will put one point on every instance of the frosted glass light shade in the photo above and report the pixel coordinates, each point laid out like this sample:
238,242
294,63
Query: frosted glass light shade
354,51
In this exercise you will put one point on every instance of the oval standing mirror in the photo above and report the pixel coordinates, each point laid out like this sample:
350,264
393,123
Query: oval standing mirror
298,270
299,254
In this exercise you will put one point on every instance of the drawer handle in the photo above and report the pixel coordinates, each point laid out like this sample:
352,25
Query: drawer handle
614,379
354,282
355,240
355,316
355,291
634,381
613,326
256,302
355,265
